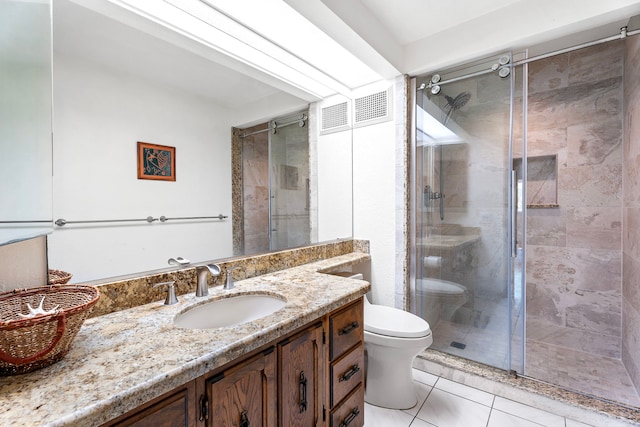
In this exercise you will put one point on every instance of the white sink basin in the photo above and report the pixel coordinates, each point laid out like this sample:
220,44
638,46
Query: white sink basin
230,311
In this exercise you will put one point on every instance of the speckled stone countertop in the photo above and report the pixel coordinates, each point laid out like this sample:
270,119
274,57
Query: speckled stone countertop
126,358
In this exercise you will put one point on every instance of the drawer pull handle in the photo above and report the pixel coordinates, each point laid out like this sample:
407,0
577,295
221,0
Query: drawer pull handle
351,372
303,392
244,419
352,416
348,328
204,408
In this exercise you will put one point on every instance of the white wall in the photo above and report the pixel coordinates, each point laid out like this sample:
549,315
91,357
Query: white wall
331,173
100,114
374,201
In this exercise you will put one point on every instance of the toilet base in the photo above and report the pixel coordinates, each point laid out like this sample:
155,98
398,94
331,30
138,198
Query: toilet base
389,379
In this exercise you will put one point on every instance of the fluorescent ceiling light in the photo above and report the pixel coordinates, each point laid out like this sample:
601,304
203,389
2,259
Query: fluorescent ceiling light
226,34
277,21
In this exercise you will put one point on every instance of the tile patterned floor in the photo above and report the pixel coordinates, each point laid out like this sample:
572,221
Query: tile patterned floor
444,403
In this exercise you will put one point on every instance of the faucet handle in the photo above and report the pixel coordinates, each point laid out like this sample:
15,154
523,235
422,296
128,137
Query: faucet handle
178,261
229,283
171,292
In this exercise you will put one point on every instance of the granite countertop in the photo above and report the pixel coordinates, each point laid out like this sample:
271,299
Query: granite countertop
121,360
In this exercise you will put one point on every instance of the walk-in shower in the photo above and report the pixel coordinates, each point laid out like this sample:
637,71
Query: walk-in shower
272,186
525,265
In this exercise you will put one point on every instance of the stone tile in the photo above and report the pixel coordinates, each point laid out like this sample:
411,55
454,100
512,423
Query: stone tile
598,185
547,110
630,281
595,311
546,227
591,342
596,228
593,102
631,244
570,269
549,74
631,342
546,142
598,62
542,304
580,371
632,154
594,143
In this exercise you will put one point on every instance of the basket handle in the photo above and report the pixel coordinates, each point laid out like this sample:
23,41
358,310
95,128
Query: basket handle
62,321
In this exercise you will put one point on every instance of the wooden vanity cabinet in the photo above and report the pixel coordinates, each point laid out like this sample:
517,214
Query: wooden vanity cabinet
346,359
313,377
301,372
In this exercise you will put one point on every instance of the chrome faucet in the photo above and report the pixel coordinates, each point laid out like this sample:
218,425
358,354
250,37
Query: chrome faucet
202,287
229,283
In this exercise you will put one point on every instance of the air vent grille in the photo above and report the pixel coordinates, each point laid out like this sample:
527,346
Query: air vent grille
371,107
335,117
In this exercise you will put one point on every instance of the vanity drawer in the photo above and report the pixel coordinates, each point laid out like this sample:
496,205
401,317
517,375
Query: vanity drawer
346,373
351,412
346,329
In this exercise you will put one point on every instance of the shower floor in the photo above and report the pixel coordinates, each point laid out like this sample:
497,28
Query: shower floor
587,373
485,336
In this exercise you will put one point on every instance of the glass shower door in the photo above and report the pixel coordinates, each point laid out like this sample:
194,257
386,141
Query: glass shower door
465,214
289,223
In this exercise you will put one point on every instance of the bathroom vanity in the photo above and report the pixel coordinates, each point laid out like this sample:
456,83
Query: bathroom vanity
302,365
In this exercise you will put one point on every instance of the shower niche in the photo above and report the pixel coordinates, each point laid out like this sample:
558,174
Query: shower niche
542,181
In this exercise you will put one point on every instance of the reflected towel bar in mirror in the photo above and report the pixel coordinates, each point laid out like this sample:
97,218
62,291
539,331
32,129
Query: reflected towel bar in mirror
62,222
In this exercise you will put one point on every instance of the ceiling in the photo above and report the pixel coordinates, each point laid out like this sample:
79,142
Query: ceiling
345,43
83,33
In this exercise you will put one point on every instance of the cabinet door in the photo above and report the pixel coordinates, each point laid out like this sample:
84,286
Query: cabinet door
301,372
245,395
174,409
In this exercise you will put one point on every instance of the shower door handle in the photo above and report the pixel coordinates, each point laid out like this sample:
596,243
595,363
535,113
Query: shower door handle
514,214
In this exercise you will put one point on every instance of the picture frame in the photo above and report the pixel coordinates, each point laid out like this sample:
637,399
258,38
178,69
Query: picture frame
156,162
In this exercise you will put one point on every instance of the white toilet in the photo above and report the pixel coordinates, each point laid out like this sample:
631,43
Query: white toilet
438,295
392,339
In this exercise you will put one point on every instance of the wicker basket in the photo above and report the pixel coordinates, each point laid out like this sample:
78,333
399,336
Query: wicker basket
58,277
27,344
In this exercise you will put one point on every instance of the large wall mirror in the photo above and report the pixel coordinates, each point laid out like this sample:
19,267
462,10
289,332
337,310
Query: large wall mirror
120,80
25,119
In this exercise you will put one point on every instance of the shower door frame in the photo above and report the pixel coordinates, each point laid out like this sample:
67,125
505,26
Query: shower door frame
513,248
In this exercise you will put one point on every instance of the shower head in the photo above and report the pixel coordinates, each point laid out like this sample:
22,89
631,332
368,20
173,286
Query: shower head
459,101
456,103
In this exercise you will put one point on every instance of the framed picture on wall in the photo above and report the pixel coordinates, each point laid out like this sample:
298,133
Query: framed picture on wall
156,162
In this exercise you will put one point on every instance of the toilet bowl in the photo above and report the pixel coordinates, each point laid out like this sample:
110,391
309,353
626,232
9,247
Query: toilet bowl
392,339
437,293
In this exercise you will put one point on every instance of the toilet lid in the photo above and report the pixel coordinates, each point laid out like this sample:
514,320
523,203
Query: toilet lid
393,322
438,286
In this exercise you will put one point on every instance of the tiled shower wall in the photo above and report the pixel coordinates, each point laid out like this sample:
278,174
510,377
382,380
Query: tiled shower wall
631,233
574,255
